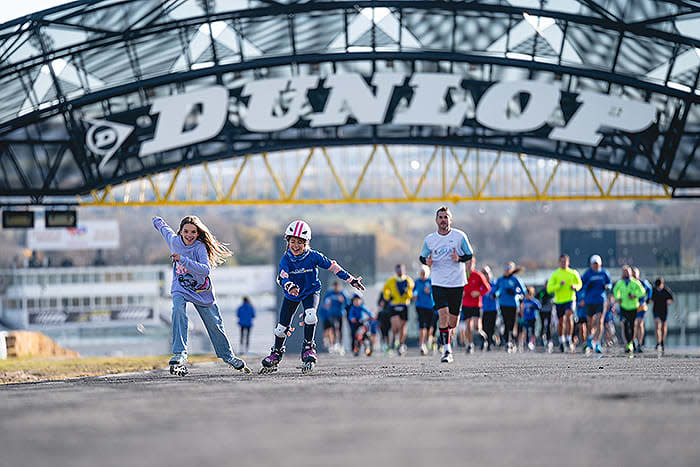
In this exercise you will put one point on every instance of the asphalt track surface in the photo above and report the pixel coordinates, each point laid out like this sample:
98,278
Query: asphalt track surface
485,409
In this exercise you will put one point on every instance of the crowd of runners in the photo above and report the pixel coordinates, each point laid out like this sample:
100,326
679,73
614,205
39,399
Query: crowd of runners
569,310
456,301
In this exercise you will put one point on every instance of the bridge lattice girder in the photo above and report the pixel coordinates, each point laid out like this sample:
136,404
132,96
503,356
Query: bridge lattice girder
110,60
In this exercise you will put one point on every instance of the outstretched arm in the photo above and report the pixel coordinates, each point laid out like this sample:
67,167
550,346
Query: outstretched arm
164,229
325,263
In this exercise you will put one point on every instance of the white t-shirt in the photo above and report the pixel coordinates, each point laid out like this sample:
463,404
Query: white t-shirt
445,272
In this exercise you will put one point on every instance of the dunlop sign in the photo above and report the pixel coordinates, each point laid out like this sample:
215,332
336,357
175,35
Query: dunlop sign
436,99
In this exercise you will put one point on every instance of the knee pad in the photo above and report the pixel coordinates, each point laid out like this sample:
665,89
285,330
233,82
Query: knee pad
310,316
280,330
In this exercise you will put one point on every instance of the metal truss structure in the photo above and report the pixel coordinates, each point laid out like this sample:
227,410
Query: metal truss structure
376,174
109,60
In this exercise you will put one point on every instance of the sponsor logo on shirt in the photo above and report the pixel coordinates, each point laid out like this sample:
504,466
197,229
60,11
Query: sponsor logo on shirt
301,271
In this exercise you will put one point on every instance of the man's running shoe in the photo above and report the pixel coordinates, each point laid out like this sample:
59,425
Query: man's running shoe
598,349
447,357
531,346
470,348
403,349
550,347
630,347
561,347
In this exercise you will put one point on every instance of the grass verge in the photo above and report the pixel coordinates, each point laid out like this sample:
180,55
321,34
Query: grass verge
33,369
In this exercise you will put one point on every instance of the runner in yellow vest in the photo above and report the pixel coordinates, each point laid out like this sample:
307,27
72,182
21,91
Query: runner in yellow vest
564,283
627,292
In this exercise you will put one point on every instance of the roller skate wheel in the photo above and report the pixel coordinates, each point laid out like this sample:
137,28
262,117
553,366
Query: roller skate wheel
178,370
267,370
307,367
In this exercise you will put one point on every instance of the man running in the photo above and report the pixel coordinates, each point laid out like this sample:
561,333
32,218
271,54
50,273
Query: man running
446,251
510,290
627,292
641,311
662,298
384,319
596,283
423,296
564,283
477,286
545,317
489,309
398,291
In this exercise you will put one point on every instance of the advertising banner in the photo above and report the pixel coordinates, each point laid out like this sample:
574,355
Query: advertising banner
88,235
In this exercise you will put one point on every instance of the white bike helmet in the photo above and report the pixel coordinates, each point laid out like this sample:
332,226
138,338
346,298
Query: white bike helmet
298,229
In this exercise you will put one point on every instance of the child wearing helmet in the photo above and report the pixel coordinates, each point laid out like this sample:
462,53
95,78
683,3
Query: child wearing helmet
298,276
359,316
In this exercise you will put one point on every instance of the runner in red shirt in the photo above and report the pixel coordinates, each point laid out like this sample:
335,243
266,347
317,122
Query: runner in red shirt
477,286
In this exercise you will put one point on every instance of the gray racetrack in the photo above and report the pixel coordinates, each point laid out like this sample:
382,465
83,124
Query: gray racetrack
486,409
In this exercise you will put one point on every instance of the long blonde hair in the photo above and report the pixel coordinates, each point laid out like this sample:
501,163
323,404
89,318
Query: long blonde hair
217,252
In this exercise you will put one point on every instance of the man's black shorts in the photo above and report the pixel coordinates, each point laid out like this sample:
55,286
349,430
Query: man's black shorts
425,317
336,321
661,315
400,310
384,318
448,297
592,310
562,307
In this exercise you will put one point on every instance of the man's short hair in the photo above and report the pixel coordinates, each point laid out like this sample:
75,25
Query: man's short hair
443,209
564,256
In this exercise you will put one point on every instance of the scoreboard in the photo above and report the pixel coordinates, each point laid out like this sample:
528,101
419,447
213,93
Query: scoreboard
647,246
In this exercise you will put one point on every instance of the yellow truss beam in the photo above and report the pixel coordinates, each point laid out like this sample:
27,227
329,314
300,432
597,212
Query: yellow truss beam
437,181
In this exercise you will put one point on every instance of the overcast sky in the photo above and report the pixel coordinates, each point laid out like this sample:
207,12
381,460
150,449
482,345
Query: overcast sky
15,9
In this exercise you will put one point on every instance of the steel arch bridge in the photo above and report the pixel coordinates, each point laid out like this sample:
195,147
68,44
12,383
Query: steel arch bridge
112,101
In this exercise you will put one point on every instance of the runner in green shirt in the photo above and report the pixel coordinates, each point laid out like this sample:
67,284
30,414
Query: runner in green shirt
563,283
627,292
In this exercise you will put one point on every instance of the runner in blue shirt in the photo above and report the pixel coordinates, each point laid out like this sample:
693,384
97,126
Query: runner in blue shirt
425,305
509,290
529,307
596,285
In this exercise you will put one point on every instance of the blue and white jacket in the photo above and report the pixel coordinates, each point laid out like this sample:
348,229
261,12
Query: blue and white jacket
302,271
